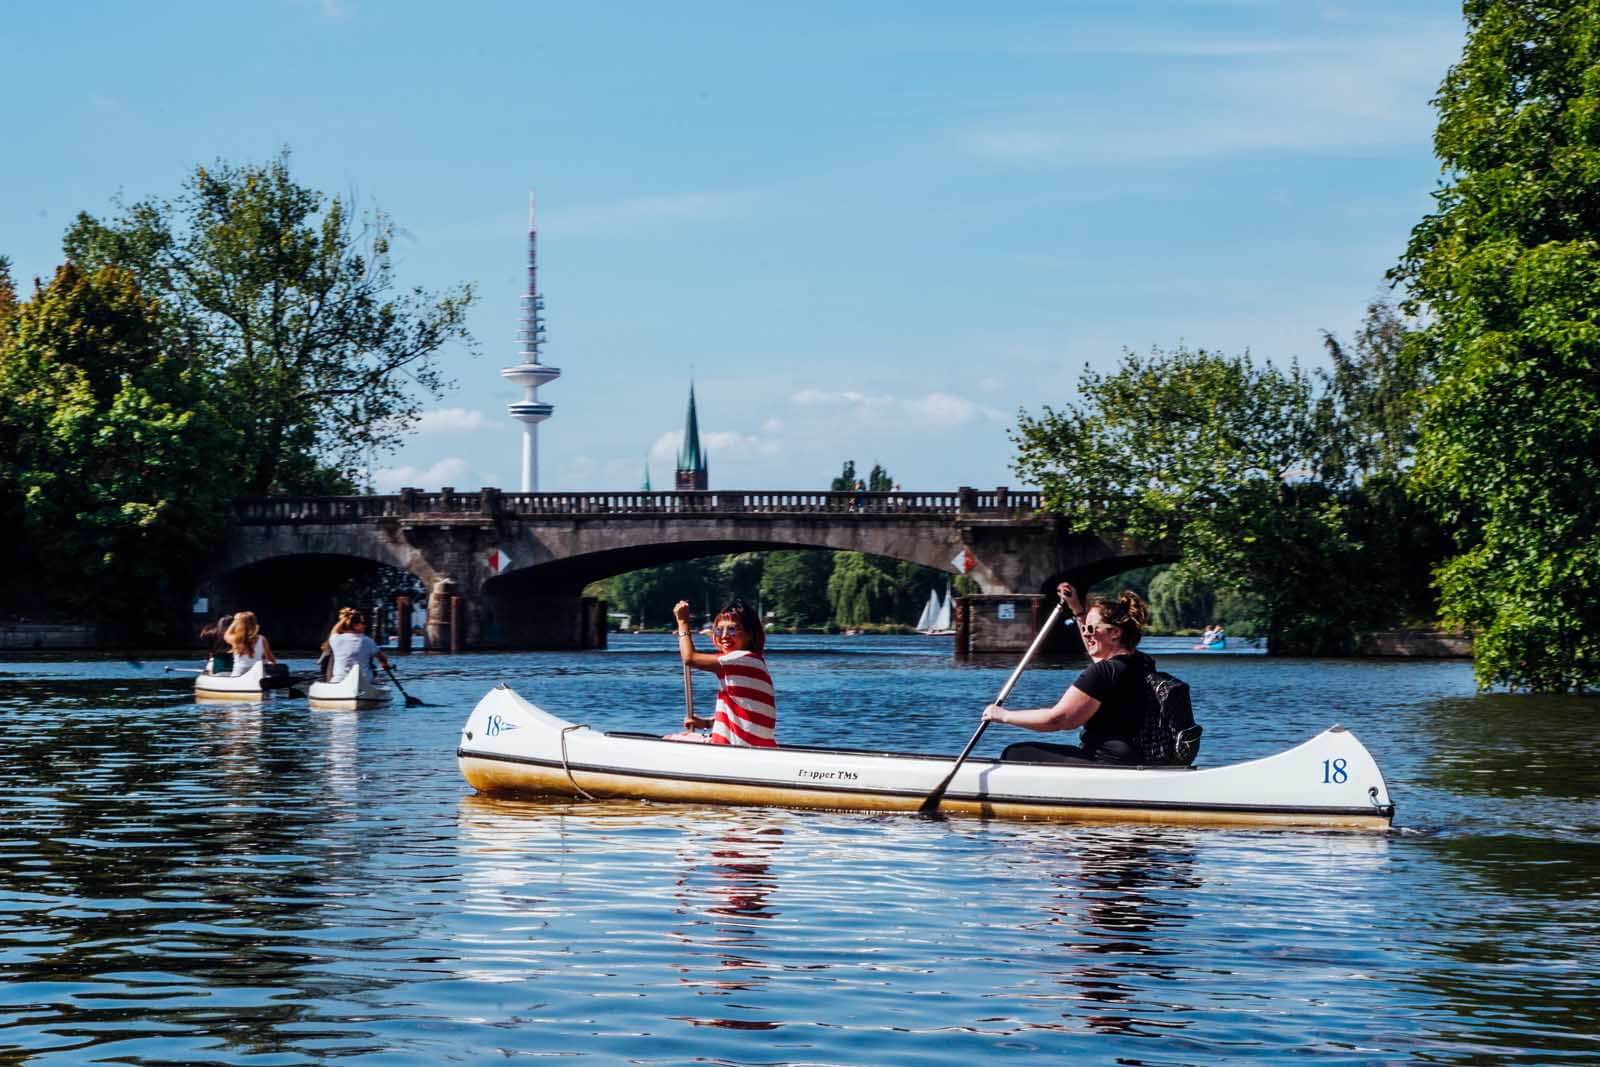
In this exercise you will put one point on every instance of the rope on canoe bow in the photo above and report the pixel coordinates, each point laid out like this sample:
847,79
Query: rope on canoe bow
564,732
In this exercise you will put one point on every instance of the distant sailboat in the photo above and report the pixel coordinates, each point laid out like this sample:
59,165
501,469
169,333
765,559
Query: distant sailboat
935,620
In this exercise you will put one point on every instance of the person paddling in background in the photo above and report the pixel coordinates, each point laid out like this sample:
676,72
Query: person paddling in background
747,712
247,643
1108,699
351,647
219,660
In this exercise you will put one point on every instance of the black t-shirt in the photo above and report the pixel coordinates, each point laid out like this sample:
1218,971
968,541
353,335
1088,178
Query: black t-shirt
1119,684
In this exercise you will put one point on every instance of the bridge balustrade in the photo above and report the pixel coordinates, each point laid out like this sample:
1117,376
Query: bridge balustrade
489,501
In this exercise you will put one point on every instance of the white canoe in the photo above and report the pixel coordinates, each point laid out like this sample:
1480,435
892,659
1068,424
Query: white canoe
355,690
510,747
253,684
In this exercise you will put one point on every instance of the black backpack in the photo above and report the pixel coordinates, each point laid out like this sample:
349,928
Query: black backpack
1169,735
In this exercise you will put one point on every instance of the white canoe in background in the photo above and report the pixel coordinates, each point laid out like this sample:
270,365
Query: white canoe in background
253,684
510,747
355,690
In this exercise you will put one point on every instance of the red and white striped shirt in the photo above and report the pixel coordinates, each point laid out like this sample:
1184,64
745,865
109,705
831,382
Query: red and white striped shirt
746,711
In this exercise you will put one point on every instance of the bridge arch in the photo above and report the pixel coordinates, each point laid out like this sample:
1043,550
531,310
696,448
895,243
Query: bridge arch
558,543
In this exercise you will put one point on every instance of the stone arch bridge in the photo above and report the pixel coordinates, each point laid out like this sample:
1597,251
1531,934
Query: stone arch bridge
286,555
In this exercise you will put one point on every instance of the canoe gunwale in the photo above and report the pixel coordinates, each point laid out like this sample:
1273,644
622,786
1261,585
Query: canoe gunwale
874,753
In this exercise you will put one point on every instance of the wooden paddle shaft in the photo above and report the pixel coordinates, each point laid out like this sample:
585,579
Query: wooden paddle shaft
688,700
932,802
1038,639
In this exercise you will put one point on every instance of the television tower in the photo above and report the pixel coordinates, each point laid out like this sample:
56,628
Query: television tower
530,373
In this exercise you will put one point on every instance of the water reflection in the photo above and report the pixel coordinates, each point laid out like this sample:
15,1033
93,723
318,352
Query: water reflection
1514,745
723,896
167,872
265,884
1120,899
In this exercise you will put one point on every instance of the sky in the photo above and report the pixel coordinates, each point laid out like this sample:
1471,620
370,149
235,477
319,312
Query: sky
871,232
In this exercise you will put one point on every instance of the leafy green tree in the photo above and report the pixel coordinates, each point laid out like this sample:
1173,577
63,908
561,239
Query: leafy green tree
1231,466
1507,269
324,362
859,590
112,453
1377,388
846,479
648,595
794,587
8,294
739,577
879,481
1179,602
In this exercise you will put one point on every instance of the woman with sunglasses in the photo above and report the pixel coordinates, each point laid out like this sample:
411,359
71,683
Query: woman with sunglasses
1108,699
746,713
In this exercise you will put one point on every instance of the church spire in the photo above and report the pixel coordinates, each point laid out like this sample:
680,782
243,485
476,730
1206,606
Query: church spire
692,472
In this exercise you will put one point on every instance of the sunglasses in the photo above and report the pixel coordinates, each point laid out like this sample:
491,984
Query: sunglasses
1092,628
725,631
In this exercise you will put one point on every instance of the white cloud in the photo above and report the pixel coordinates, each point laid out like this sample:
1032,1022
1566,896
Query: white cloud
772,426
447,471
929,409
721,446
450,420
846,399
1325,95
731,447
945,409
666,446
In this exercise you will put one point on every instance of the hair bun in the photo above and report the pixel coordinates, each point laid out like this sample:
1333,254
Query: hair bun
1134,605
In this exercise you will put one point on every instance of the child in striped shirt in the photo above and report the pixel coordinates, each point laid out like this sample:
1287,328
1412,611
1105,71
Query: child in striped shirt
746,713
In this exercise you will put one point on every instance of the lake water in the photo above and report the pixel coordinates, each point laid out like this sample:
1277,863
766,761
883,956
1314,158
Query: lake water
275,885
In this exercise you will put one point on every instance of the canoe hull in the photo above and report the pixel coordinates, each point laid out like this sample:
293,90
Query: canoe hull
245,687
512,748
356,690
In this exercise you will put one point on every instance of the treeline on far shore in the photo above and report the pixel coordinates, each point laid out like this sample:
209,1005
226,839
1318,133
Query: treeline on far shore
820,591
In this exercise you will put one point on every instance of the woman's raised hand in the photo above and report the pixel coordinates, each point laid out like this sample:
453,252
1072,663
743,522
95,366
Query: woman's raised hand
680,611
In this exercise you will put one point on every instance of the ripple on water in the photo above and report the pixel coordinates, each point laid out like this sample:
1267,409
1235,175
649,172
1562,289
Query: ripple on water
263,885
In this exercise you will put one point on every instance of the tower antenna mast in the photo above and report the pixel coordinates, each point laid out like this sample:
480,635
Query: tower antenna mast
531,373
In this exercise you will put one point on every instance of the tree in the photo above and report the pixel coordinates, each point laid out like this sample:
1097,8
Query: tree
111,453
322,359
847,478
648,595
8,294
794,587
1237,469
879,481
1507,267
1377,389
859,590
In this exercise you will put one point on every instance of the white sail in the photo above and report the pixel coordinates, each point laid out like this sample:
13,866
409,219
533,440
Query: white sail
942,620
930,611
